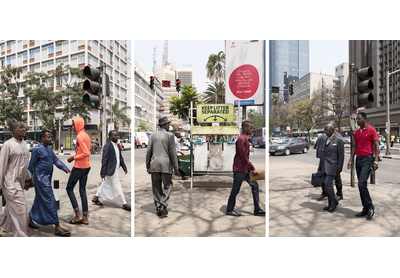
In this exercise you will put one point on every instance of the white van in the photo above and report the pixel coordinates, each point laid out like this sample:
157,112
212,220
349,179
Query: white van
141,139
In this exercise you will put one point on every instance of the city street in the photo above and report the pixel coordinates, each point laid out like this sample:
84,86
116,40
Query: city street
198,212
108,221
295,212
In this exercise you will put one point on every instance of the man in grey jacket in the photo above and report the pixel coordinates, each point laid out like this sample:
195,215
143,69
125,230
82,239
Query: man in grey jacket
331,163
161,163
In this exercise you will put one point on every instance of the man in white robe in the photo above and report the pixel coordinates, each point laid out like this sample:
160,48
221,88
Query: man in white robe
111,189
14,178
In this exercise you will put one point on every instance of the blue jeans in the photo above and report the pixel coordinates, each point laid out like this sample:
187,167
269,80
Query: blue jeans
363,169
238,178
81,175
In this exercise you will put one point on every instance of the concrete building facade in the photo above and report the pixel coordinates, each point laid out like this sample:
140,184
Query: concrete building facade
46,55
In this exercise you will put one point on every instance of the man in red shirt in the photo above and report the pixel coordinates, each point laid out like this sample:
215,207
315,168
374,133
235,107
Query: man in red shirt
365,140
241,171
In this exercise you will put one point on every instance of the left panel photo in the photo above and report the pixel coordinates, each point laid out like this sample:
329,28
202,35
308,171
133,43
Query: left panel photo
65,152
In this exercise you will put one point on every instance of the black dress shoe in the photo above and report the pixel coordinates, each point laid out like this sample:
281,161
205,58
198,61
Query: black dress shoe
259,213
163,210
371,213
332,208
233,213
159,213
362,213
326,208
339,197
321,197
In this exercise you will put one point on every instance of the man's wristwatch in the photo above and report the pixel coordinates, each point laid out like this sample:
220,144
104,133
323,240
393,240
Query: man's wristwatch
376,162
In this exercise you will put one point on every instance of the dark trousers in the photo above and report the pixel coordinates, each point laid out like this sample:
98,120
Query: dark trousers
329,190
339,186
363,169
162,188
81,175
238,178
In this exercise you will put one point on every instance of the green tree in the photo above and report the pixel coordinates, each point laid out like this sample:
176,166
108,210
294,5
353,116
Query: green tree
11,107
142,127
256,118
214,92
180,105
216,66
66,99
116,115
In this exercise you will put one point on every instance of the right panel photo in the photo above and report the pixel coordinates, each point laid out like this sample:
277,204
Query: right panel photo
334,119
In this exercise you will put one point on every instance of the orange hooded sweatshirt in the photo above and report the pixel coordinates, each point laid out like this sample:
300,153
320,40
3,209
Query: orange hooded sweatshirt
82,145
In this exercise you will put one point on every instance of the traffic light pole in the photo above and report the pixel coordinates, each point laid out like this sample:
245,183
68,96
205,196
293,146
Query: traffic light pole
352,109
104,107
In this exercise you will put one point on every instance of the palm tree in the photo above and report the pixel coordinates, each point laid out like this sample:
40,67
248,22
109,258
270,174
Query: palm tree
216,66
116,115
215,93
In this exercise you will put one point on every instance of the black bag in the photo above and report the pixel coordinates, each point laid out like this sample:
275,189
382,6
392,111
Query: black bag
317,179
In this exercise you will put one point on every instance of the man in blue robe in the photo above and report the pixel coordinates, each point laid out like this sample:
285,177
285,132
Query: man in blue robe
44,208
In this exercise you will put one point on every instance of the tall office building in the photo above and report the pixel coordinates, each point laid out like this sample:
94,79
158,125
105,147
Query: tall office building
149,104
46,55
382,56
288,62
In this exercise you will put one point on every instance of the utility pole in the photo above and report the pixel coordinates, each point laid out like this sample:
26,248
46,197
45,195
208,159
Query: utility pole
352,108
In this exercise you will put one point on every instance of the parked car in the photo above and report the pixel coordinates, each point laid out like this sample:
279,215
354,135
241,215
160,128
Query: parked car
346,140
289,145
126,144
31,144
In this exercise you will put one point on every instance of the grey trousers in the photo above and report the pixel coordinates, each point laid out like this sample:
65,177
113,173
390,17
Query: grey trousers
162,187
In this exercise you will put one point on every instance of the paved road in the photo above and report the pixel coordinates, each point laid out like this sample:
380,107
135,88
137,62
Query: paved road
294,210
197,212
110,221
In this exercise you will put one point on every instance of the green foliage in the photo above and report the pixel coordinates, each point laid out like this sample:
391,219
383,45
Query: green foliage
213,90
143,127
256,118
11,107
180,105
216,66
116,115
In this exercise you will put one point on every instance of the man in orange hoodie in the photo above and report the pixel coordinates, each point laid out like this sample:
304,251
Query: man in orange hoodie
79,172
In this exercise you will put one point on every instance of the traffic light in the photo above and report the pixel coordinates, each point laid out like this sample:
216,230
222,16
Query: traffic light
92,86
291,89
178,85
151,82
364,86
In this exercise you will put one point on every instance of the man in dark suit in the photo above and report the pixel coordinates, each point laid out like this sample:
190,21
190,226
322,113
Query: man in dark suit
161,162
338,180
111,189
331,163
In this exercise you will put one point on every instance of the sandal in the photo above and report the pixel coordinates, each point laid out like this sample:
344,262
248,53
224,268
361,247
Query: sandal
97,202
73,221
33,225
62,232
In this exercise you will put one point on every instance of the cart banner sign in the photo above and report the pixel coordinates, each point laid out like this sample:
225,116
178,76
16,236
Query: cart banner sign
245,72
215,113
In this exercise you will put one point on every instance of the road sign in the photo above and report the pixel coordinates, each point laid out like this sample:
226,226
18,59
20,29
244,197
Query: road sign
215,113
353,121
166,83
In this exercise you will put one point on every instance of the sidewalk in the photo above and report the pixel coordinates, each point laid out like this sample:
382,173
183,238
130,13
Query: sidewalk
197,212
108,221
295,212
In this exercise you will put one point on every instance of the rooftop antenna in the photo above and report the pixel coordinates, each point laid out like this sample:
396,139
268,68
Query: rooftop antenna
165,54
154,61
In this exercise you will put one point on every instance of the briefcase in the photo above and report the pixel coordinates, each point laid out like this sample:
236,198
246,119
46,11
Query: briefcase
317,179
260,176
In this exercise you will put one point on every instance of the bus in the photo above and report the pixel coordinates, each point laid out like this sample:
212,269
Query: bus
258,139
